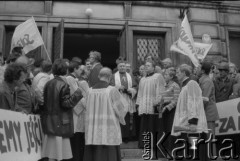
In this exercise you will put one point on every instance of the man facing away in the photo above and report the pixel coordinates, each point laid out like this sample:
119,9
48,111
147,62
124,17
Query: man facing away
105,110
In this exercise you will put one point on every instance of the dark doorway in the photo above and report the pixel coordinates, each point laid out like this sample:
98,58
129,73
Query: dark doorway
79,42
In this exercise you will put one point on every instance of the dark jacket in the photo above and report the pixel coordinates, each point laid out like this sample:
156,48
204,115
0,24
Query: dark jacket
208,90
93,76
223,89
26,98
8,100
57,116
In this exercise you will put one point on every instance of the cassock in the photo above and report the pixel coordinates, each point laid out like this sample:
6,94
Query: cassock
93,76
190,110
105,110
129,92
78,140
150,91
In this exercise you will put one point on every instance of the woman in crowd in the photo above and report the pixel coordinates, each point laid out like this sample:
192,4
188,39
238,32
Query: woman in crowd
169,102
57,116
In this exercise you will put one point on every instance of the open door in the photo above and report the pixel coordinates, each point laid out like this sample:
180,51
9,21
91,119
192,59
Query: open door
58,41
2,41
124,40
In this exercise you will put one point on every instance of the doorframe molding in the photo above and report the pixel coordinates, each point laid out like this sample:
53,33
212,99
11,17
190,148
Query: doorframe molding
169,28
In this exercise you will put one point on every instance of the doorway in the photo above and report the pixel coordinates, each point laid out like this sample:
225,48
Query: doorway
79,42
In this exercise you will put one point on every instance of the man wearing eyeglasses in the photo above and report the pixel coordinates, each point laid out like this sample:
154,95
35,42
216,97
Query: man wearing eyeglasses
223,84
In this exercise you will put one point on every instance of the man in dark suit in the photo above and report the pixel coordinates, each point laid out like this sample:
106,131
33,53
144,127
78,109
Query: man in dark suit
223,84
95,60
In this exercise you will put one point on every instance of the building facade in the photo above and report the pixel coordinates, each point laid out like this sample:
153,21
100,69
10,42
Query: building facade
131,29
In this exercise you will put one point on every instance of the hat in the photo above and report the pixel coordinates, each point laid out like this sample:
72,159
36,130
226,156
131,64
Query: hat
167,60
25,61
223,66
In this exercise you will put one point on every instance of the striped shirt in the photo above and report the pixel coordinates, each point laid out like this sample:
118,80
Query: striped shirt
170,95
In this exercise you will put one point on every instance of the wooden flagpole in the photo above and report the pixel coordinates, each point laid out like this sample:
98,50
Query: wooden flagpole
47,52
42,40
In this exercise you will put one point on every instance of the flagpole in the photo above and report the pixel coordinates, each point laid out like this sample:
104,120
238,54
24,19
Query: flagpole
42,40
47,52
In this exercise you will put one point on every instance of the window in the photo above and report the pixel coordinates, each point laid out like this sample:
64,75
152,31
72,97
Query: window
234,46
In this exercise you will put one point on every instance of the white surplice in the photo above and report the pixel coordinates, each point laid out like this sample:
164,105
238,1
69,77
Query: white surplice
190,105
106,109
150,90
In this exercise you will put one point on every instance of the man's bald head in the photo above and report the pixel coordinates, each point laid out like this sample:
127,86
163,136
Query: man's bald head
105,74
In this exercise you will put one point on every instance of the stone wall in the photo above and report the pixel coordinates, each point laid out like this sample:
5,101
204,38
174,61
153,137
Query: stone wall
214,18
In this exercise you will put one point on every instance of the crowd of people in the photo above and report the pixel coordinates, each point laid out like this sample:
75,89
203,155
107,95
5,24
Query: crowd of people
87,110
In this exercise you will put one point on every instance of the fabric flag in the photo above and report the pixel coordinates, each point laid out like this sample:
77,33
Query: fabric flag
202,49
27,35
185,44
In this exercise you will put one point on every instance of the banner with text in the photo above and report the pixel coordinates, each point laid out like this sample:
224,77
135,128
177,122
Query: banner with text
229,113
20,136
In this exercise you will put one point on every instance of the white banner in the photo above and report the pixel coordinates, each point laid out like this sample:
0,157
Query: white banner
27,35
229,113
202,49
186,45
20,136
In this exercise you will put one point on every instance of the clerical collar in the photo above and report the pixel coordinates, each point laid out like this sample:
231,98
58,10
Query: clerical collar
122,73
185,79
71,74
149,74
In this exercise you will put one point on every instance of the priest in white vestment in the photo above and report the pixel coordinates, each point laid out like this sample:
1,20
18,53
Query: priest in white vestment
127,86
105,110
150,92
190,119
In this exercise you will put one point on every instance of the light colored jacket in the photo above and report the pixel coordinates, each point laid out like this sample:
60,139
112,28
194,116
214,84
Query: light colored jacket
38,83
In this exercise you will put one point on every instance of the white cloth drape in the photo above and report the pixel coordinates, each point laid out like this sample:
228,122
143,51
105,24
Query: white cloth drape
190,105
150,90
106,109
